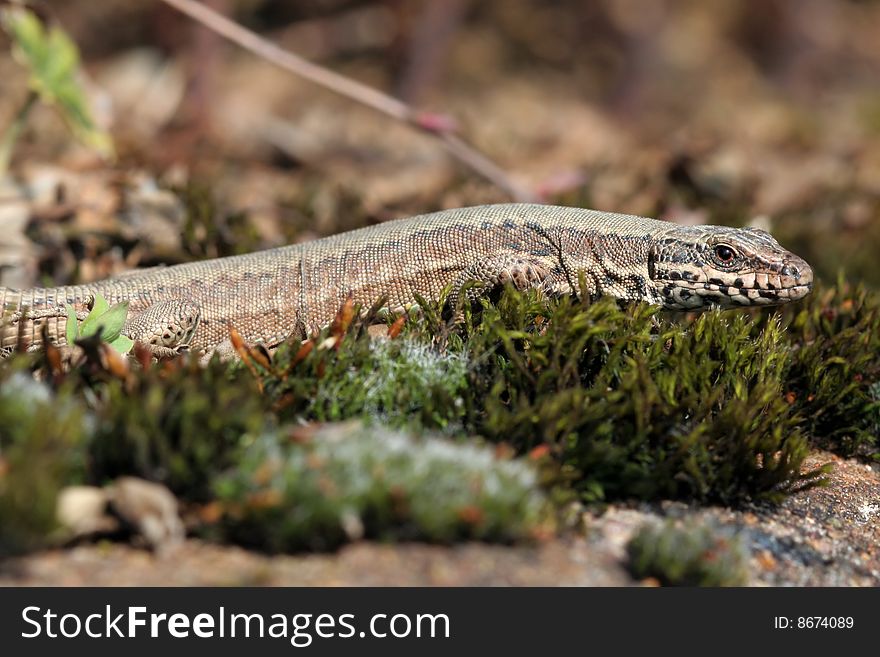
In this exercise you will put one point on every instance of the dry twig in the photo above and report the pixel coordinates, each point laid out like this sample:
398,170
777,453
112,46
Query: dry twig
439,126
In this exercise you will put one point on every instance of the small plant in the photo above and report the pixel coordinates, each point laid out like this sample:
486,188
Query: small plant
690,555
104,320
52,59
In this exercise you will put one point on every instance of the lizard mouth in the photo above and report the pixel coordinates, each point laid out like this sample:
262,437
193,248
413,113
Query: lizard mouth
796,292
691,296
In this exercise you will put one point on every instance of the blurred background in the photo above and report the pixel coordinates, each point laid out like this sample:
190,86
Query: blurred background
761,112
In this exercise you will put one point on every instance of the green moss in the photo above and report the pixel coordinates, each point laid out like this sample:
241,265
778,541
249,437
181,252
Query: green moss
685,411
690,555
834,368
635,404
41,438
179,424
349,481
398,382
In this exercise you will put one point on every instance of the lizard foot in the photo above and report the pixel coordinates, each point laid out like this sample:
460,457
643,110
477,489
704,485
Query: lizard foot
167,327
482,277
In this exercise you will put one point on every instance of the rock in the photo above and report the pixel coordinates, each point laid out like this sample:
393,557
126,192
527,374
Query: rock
148,508
82,511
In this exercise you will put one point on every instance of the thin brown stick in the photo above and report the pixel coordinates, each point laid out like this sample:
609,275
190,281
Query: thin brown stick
429,45
439,127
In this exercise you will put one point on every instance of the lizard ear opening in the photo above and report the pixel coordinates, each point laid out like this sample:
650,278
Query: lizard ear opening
652,260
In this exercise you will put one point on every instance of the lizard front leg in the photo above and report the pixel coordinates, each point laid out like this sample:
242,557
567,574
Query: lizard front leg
522,271
167,326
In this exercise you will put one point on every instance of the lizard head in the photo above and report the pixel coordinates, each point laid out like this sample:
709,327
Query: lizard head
700,266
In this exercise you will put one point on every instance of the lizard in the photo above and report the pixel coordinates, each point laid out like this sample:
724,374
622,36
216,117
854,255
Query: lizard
272,295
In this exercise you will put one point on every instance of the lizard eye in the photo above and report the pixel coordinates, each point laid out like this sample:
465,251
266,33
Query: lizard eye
725,254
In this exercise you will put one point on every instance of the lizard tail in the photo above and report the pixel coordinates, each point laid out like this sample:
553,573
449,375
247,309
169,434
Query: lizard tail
10,306
18,329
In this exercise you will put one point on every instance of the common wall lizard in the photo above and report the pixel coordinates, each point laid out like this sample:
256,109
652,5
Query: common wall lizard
293,290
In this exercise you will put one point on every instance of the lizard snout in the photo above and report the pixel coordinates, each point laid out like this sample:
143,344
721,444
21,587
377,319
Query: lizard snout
796,276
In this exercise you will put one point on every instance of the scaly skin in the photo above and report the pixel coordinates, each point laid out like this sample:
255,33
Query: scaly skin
290,291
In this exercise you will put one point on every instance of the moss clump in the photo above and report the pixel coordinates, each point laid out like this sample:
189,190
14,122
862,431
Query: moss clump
206,432
639,406
397,382
690,555
633,403
833,377
41,437
179,424
636,405
349,481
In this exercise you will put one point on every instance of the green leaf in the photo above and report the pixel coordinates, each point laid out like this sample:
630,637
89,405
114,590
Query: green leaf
71,328
89,326
122,344
110,322
52,59
114,321
100,305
